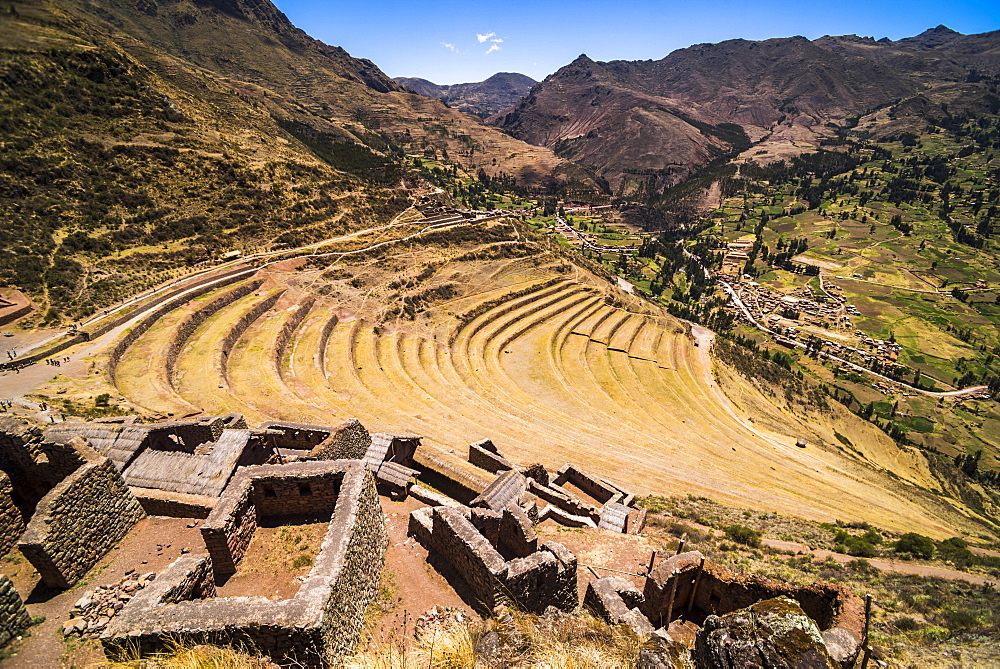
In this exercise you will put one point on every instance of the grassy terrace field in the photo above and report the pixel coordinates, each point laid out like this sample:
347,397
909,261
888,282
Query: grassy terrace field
551,362
907,230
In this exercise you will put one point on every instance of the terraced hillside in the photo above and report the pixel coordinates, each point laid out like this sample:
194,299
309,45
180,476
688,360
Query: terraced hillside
546,359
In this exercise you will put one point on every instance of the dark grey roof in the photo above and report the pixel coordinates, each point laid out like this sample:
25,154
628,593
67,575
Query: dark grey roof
505,490
117,441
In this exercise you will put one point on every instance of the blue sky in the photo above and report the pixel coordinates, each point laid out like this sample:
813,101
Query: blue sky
452,42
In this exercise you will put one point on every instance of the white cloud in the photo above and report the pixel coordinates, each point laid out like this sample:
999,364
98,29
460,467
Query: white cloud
493,47
450,47
483,38
497,40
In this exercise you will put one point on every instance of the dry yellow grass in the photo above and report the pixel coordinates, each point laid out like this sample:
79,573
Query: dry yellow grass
553,372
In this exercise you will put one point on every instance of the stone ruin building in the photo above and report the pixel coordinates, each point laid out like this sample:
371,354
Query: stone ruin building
321,622
70,492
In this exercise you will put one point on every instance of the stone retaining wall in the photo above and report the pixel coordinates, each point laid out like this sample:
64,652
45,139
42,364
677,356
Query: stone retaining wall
14,618
320,624
143,325
289,328
324,339
246,320
11,522
12,316
195,320
79,520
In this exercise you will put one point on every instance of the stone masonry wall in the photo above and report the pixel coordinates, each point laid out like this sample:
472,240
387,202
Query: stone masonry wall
11,523
531,582
149,321
358,582
244,323
79,520
229,528
289,328
111,324
456,539
484,455
14,617
174,504
349,440
194,321
324,338
316,627
591,485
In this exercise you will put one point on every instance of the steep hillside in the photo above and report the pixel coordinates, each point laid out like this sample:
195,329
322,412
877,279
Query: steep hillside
483,98
140,138
647,124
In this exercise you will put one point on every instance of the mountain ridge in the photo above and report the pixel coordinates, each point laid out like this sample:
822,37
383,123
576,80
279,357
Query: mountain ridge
782,91
482,98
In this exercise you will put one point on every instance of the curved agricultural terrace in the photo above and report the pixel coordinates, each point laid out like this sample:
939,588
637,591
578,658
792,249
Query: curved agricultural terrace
550,362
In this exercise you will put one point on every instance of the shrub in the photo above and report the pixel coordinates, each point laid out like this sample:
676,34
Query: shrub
744,535
906,624
915,544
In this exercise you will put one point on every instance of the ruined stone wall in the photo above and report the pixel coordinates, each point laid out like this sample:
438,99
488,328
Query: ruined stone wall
834,608
33,466
79,520
289,328
348,441
564,501
11,522
456,540
486,458
228,530
591,485
195,320
174,504
517,534
544,578
315,628
358,582
187,579
14,618
295,492
298,436
531,582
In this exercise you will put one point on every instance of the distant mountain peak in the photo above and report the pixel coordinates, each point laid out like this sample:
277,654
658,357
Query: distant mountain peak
482,98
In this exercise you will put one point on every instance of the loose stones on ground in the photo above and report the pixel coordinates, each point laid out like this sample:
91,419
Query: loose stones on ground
97,607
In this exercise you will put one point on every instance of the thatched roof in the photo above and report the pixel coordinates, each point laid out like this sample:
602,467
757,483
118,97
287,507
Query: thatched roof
505,490
178,471
117,441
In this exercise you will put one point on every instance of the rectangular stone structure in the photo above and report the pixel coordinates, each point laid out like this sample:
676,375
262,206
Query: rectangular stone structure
79,520
321,623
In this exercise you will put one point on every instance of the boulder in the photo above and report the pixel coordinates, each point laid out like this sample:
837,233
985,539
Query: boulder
771,633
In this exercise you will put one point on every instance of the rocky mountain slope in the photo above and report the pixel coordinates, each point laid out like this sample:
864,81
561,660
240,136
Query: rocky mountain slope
483,98
648,124
142,136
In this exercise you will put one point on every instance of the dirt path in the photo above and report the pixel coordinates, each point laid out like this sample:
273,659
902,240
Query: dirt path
885,564
152,545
